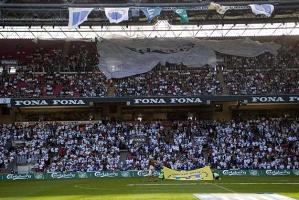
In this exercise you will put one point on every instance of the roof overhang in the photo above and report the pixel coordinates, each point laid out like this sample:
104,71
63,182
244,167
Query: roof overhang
161,29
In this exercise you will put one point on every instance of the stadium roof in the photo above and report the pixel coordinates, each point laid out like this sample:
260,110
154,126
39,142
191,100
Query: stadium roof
49,20
160,29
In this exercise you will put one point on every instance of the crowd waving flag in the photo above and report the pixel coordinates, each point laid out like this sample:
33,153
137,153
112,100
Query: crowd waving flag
183,15
263,9
219,8
151,13
117,15
77,16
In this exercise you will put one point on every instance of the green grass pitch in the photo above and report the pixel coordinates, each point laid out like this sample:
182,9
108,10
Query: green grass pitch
142,188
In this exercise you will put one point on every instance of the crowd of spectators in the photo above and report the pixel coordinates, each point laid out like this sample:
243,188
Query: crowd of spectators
264,74
67,70
73,72
254,144
244,81
24,84
78,58
170,80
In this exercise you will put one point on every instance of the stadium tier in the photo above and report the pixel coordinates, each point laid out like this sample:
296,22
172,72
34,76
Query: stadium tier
181,145
69,69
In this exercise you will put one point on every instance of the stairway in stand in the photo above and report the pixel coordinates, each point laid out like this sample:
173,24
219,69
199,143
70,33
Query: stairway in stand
123,155
220,78
110,89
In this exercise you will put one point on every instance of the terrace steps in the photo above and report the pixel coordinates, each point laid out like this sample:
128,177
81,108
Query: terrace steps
220,78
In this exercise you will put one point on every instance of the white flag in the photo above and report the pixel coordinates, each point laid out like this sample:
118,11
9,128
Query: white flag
77,16
264,9
219,8
117,15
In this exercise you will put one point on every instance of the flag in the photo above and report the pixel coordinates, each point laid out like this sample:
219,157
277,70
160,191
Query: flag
219,8
150,13
77,16
183,15
135,12
117,15
263,9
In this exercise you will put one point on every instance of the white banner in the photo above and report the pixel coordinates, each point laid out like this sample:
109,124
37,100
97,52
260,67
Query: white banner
117,15
264,9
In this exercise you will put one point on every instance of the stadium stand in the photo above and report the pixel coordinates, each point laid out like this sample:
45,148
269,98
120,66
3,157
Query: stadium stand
94,146
53,69
265,74
68,69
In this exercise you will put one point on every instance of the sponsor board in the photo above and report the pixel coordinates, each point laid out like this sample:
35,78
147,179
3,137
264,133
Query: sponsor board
234,172
167,100
18,176
253,172
274,99
9,62
125,173
5,100
151,101
295,172
146,173
106,174
82,175
39,176
49,102
179,175
239,172
278,172
60,175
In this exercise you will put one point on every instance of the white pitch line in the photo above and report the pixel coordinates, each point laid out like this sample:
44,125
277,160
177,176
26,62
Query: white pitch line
160,184
258,183
241,196
224,188
217,184
86,187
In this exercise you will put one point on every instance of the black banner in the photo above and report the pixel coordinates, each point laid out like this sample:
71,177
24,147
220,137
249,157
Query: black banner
168,101
49,102
151,101
274,99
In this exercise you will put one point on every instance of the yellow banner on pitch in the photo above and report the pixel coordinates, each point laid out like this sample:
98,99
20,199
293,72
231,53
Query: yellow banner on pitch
204,173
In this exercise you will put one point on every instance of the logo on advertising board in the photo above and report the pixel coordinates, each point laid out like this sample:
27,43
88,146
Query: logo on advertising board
49,102
296,172
60,175
105,174
234,172
18,176
278,172
39,176
82,175
167,100
125,174
253,172
274,99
